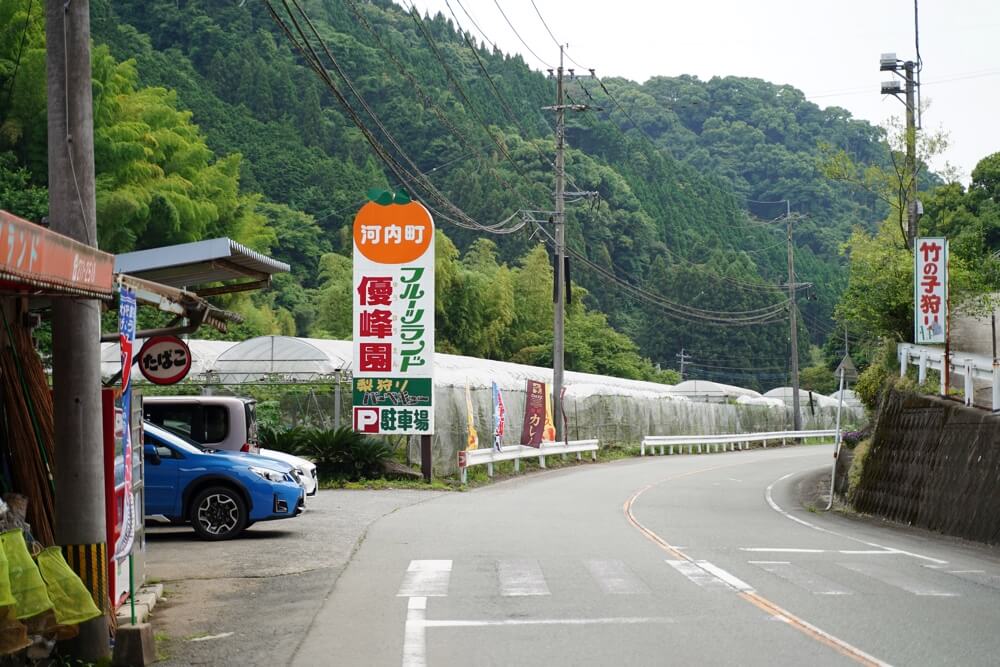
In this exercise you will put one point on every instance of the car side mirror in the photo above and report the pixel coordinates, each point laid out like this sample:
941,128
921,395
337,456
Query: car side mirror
151,455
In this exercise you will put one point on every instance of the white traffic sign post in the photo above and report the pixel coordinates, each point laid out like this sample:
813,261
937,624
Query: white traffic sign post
846,368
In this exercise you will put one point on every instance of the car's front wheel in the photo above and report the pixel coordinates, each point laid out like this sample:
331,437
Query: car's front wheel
218,513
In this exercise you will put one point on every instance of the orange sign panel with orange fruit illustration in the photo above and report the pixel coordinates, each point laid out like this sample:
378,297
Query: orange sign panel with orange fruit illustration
393,300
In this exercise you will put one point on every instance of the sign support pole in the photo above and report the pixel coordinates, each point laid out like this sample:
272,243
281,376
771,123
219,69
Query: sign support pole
425,457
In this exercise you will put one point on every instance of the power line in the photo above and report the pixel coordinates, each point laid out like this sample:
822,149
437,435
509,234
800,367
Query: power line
499,96
556,41
427,100
539,58
405,176
691,314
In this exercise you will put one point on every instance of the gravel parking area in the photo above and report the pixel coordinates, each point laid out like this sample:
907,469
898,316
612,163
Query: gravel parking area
250,601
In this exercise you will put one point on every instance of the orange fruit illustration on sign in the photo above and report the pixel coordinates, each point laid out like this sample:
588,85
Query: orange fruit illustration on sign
395,232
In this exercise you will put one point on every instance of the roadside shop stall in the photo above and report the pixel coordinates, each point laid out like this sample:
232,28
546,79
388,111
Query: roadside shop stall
41,597
46,590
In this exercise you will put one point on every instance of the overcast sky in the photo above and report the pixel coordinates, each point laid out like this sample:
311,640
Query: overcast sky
827,48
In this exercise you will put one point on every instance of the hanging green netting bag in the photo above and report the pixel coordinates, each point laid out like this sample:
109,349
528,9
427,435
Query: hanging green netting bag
73,602
25,581
6,596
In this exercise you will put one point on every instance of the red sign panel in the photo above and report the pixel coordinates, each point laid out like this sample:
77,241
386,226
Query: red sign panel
35,257
164,360
534,414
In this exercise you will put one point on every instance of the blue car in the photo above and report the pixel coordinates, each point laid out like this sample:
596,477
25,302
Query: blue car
221,493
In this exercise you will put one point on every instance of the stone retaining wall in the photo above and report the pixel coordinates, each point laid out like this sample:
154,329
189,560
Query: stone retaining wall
934,463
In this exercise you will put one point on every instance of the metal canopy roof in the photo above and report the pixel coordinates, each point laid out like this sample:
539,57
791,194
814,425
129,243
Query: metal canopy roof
189,265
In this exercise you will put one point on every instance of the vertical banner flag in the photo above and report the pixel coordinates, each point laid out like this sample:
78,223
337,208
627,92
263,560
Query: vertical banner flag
549,432
393,300
473,437
126,340
930,291
562,409
499,418
534,414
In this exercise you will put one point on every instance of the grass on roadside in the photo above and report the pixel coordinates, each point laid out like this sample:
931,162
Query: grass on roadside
161,641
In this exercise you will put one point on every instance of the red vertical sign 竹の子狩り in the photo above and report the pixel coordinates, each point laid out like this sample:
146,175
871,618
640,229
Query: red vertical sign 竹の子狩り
930,291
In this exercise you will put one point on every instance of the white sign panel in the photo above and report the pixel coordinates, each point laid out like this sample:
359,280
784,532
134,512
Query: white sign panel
930,291
393,318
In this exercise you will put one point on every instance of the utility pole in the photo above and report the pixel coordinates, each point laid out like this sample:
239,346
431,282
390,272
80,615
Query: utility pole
683,358
792,317
911,156
559,234
889,63
559,221
76,332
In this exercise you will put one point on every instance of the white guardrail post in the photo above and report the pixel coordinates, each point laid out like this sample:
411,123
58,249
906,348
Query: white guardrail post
487,457
724,442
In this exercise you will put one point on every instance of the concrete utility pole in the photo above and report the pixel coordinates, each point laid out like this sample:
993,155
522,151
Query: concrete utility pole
76,331
911,155
683,358
793,319
559,235
559,221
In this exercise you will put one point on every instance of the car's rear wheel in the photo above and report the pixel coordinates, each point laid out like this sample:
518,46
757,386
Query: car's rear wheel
218,513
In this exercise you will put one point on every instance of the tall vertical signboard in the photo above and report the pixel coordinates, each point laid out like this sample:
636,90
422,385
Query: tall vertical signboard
930,291
393,386
126,339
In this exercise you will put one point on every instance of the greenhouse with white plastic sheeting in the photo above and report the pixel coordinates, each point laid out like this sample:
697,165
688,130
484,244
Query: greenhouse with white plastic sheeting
613,410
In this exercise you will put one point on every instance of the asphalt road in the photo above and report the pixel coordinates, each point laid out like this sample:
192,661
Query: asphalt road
673,560
249,601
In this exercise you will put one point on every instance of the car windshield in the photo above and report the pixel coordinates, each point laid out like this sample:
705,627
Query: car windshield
180,433
173,439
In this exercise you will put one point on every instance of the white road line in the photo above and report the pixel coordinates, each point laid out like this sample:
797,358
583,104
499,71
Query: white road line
794,550
521,577
897,579
977,577
549,621
616,578
814,583
783,550
697,574
730,579
770,501
426,578
415,633
208,638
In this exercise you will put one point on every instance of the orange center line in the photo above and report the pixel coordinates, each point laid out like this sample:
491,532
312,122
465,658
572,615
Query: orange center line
754,598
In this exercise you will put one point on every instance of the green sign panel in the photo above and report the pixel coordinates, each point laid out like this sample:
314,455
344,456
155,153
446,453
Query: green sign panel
393,392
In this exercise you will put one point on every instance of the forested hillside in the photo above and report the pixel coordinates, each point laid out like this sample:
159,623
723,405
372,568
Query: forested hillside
209,122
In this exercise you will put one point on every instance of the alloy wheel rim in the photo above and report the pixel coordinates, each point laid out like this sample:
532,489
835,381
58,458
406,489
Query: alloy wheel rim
218,514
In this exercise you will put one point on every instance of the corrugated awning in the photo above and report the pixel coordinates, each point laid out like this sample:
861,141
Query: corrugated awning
35,261
191,265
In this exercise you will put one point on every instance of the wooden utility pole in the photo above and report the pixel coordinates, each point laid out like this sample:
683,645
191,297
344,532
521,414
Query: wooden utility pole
76,322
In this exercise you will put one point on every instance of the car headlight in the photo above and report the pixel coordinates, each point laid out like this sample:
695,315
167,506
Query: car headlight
268,474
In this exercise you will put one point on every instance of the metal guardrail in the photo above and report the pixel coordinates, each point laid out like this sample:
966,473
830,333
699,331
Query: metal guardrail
488,456
726,441
971,367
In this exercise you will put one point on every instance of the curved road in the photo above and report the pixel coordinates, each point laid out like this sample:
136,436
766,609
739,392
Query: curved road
705,560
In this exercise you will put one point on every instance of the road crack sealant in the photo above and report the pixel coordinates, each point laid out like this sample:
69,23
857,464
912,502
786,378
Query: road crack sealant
744,591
